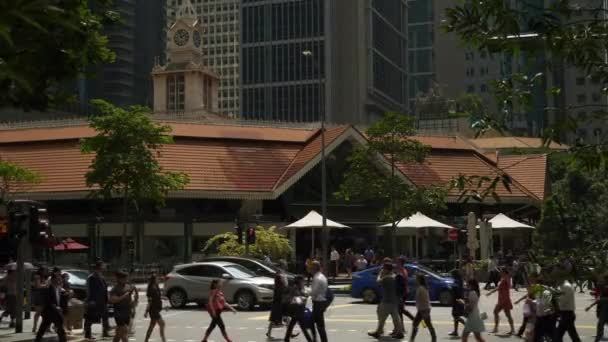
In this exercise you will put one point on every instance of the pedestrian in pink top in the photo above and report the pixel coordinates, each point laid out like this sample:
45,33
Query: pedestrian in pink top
217,304
504,300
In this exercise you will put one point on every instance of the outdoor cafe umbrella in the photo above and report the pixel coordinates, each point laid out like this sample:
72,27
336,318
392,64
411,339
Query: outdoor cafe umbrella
70,245
502,221
314,221
417,221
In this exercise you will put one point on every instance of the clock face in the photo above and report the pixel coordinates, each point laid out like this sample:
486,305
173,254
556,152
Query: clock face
181,37
196,38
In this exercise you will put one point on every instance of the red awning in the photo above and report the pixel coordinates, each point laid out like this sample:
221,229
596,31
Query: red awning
70,245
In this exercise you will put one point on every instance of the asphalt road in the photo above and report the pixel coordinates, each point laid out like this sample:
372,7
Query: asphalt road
347,321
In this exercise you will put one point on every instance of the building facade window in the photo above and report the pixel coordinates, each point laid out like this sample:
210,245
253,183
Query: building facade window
176,92
581,98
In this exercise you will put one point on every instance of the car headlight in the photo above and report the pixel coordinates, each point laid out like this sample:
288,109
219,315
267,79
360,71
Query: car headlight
267,286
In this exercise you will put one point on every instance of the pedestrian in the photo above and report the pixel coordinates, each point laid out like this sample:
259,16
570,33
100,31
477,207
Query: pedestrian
334,258
154,307
267,260
493,273
474,323
217,304
308,264
52,311
361,263
318,293
389,304
423,306
529,310
296,305
544,326
10,297
369,255
41,281
602,307
458,305
401,278
278,302
134,303
65,304
504,300
567,307
121,297
469,268
283,264
96,303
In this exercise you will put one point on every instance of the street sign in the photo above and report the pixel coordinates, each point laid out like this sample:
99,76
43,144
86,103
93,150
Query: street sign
453,234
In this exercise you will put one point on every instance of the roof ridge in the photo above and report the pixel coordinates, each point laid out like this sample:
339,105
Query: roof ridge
520,186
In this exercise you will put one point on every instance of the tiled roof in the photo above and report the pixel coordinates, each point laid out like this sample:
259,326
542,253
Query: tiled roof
444,165
513,142
247,161
191,130
529,170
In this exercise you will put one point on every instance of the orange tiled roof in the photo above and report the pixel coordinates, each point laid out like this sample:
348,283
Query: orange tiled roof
529,170
243,162
443,166
513,142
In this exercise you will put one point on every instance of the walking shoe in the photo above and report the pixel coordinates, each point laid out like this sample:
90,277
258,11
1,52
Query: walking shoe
454,333
374,334
398,336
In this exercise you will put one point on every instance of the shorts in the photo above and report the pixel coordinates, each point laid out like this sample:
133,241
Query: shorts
122,321
155,315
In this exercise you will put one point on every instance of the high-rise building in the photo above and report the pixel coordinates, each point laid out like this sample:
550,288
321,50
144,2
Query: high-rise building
344,58
136,39
220,46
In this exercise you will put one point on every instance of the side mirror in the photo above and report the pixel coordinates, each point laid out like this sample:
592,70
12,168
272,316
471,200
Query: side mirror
226,276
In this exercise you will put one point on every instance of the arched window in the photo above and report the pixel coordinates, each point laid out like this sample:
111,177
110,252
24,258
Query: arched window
176,94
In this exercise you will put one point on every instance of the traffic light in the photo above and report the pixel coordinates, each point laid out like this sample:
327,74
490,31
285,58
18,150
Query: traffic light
238,230
131,246
39,228
3,227
251,236
16,220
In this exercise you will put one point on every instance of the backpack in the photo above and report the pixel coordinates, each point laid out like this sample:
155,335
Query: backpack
329,296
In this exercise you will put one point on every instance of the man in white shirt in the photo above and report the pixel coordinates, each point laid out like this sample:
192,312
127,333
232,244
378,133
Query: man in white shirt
334,257
318,291
567,317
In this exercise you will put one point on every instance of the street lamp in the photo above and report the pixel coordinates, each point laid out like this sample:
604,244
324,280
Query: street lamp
325,232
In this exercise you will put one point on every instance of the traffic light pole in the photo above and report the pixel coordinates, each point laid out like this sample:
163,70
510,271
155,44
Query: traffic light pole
21,245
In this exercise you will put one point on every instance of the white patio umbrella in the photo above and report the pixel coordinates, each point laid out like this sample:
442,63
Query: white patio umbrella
417,221
502,221
314,221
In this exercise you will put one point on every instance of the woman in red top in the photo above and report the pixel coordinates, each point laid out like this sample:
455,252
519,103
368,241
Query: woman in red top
216,305
504,300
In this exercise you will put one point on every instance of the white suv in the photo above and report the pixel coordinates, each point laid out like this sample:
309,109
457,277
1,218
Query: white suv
190,283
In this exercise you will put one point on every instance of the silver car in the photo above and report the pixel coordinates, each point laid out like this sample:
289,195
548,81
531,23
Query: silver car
190,283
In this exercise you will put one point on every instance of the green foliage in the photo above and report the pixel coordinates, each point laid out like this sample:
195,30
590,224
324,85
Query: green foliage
390,145
14,178
267,242
125,148
575,218
44,43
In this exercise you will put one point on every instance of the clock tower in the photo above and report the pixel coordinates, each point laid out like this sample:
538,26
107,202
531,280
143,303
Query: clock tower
182,84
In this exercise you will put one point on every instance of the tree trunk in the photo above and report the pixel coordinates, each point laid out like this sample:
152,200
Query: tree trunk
123,240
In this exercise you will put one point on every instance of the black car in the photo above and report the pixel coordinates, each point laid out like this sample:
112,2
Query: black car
256,266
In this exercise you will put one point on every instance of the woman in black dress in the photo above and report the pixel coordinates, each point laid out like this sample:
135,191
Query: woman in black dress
155,306
276,311
458,307
295,308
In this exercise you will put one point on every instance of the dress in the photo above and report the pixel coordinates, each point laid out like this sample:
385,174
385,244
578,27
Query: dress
474,322
276,311
504,296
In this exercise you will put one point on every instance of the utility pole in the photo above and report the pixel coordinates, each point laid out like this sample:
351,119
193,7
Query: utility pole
324,231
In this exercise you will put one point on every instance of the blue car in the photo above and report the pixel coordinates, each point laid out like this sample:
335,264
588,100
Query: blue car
366,287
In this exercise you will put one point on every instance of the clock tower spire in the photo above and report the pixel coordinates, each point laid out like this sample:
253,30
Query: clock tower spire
183,84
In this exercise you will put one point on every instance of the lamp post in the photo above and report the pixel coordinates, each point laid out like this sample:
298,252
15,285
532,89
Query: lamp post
324,231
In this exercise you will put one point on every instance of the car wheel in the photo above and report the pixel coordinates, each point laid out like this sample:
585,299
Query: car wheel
245,300
369,296
445,297
177,298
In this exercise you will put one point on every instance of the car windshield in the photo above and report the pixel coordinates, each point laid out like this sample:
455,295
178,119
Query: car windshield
239,271
81,275
426,270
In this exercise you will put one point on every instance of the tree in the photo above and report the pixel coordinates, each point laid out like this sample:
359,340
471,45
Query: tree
565,33
267,242
390,144
15,178
44,43
125,164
